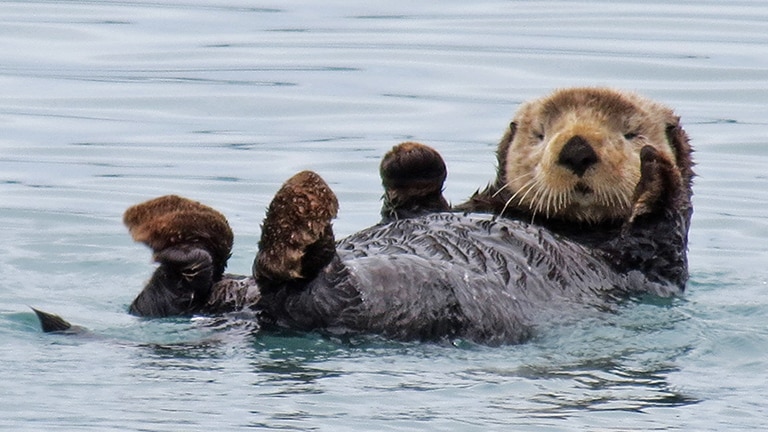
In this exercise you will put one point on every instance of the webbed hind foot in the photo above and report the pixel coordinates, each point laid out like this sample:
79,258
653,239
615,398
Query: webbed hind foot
172,221
297,238
191,242
412,175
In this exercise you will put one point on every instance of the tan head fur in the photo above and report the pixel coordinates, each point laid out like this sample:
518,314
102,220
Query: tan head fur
575,154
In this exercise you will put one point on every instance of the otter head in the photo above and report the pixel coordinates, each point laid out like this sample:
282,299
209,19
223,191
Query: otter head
575,155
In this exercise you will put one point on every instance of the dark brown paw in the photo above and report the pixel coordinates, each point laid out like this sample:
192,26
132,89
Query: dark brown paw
181,284
172,221
193,265
296,236
412,175
659,186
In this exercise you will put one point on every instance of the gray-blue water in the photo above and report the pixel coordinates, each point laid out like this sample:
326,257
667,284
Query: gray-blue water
104,104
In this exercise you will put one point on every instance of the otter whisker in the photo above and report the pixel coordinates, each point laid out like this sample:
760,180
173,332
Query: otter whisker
527,187
532,185
510,199
538,197
508,184
500,190
557,198
617,198
506,205
521,176
565,197
551,202
604,197
548,206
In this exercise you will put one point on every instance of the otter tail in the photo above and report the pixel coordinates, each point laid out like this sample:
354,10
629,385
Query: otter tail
52,323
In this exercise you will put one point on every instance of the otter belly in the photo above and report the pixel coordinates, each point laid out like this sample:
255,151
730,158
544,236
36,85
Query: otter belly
448,275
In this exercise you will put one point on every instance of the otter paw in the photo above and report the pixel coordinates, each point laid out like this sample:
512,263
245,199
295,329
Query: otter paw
412,175
659,186
172,221
297,238
193,265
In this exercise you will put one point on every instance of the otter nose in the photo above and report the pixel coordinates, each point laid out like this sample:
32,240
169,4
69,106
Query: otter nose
577,155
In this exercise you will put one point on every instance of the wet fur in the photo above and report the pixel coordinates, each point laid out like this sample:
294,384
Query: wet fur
531,185
192,243
431,276
287,252
412,175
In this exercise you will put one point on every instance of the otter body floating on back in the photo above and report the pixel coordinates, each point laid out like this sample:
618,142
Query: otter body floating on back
591,204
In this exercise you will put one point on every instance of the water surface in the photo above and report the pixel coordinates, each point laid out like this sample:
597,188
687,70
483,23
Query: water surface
108,103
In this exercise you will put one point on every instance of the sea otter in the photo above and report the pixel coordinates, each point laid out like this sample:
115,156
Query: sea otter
571,161
591,204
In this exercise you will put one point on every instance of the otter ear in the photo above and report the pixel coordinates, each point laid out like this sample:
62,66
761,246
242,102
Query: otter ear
502,152
172,221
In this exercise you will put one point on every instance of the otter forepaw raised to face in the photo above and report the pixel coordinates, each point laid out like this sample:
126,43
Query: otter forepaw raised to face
297,237
660,185
412,175
654,238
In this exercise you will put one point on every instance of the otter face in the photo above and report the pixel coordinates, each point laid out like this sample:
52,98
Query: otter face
575,155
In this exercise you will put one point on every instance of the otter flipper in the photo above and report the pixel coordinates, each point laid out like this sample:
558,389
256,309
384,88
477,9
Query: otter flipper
51,323
412,175
297,238
171,220
191,242
181,284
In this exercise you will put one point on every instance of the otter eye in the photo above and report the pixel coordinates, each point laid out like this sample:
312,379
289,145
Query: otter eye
630,136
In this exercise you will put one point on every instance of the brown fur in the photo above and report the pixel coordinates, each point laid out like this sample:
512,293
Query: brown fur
533,182
172,220
607,176
296,236
412,175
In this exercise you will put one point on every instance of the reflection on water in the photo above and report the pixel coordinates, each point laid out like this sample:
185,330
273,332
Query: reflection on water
106,104
603,385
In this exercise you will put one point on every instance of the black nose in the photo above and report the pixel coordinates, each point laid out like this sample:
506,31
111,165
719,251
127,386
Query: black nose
577,155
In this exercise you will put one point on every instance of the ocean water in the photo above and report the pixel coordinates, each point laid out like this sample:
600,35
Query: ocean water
104,104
